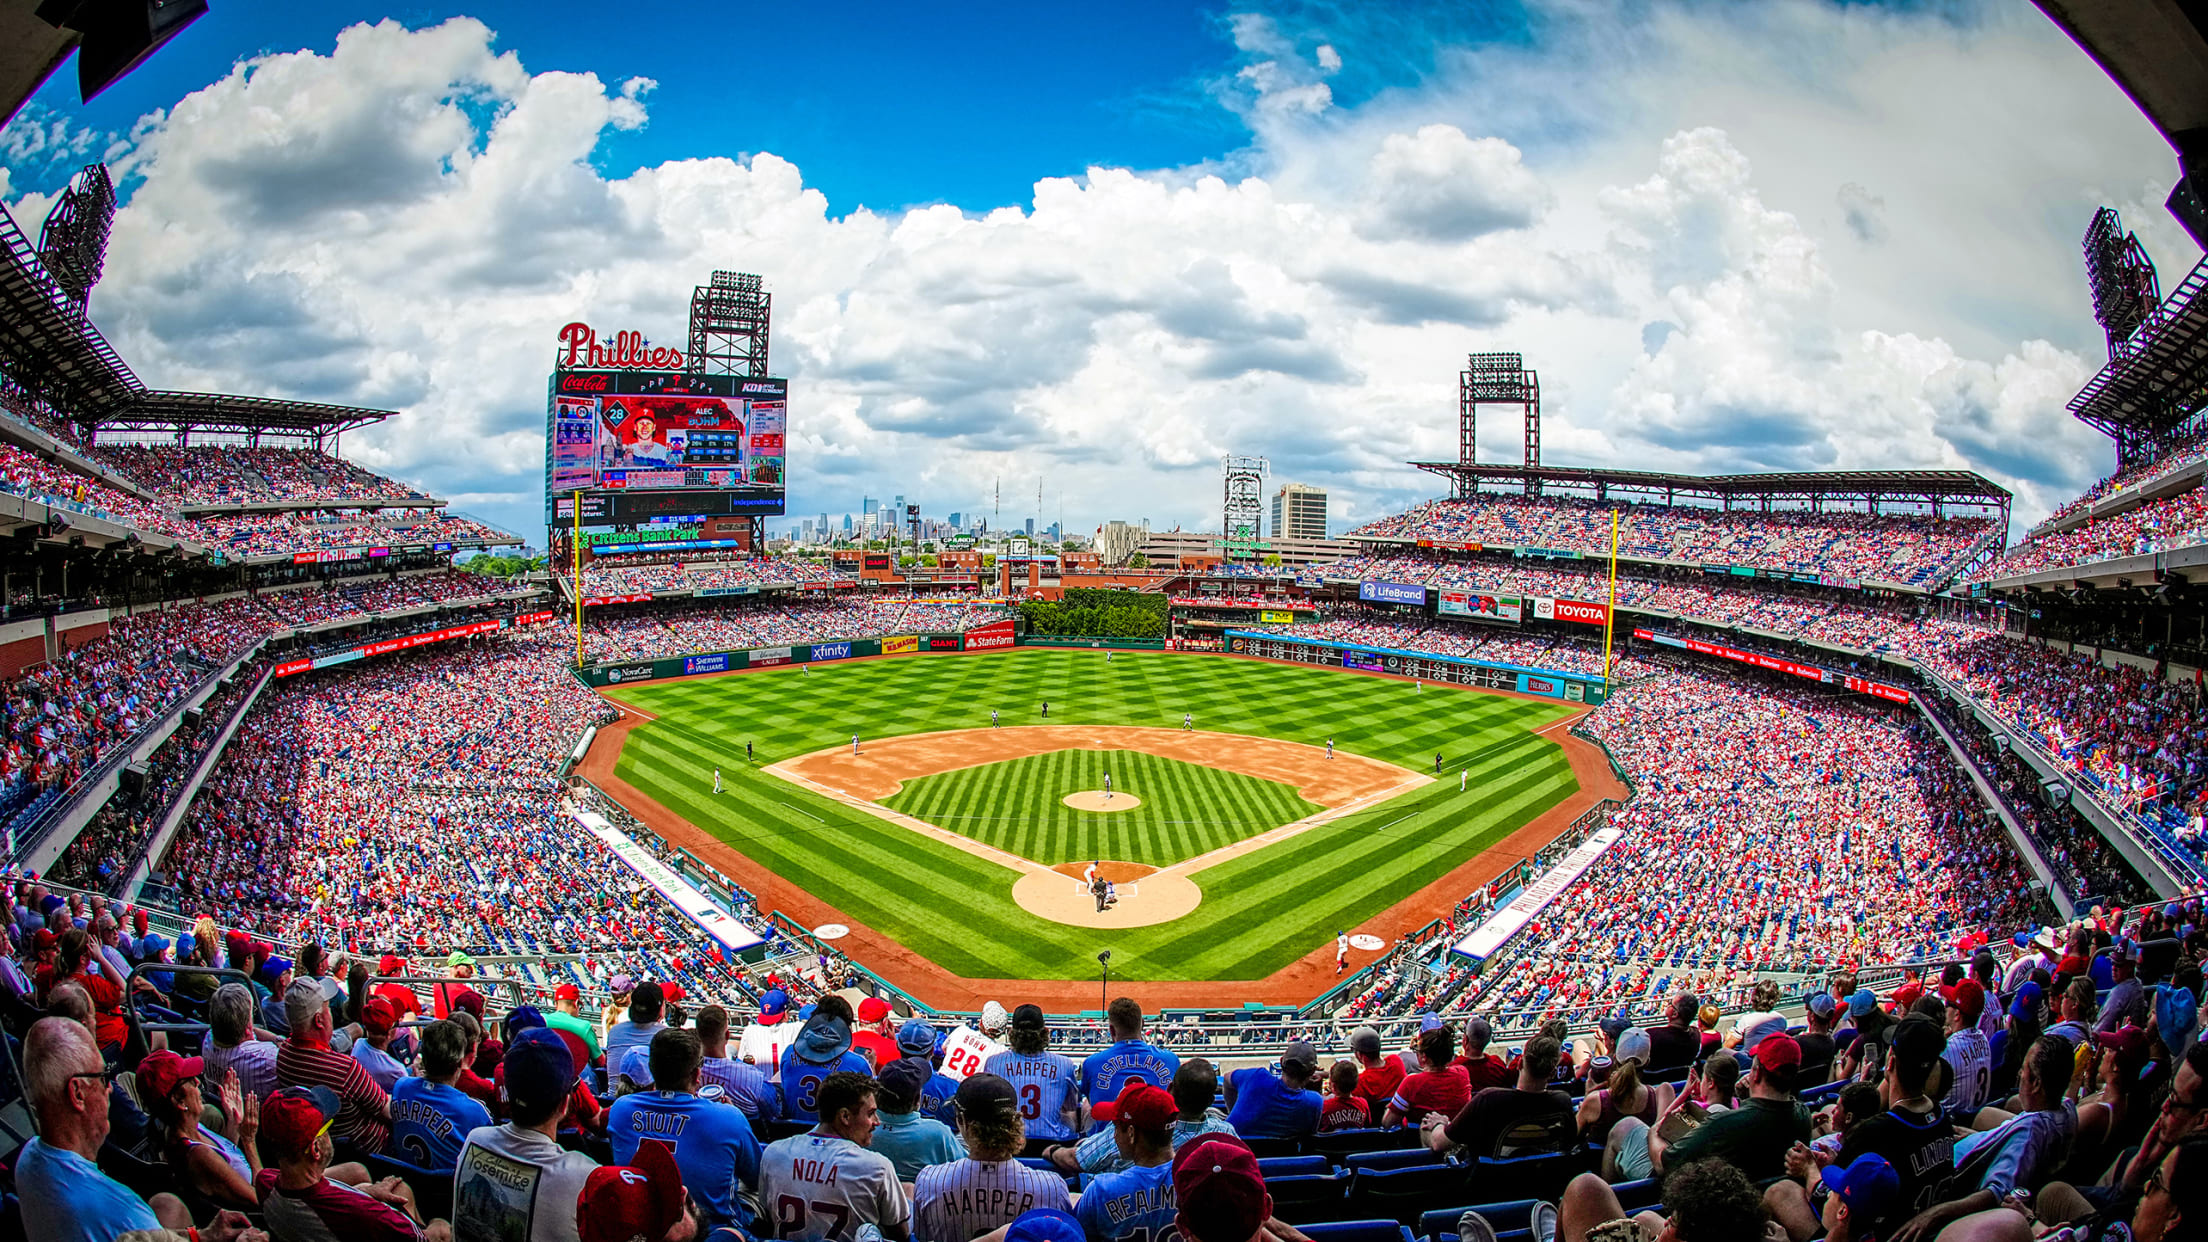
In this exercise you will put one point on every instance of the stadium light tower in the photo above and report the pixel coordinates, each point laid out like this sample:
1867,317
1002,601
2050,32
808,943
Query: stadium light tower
729,320
1242,521
1496,379
73,242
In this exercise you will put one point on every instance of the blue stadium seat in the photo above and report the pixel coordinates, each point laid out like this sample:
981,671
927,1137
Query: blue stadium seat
1405,1194
1305,1198
1541,1177
1358,1231
1513,1221
1639,1196
1398,1158
1294,1166
1338,1145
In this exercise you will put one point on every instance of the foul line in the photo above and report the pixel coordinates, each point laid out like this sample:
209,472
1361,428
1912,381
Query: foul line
792,806
987,852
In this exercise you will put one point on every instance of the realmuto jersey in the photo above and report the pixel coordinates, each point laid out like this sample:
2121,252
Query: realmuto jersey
963,1200
819,1187
1970,1059
1045,1084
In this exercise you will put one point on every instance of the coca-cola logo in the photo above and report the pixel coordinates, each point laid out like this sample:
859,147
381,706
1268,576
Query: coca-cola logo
586,383
626,351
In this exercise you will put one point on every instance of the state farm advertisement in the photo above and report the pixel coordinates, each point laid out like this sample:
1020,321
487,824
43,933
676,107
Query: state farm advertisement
1570,610
995,634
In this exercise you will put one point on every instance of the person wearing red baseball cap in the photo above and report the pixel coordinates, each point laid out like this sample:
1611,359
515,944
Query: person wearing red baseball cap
641,1201
378,1019
1134,1203
219,1167
404,1000
1755,1136
1969,1056
567,1015
301,1200
1218,1193
873,1036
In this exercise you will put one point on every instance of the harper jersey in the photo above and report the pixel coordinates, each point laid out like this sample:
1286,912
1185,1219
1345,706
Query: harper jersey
1132,1205
818,1186
1045,1084
1970,1060
964,1200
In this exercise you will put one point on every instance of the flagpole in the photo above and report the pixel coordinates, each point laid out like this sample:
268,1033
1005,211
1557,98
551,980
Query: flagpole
1610,614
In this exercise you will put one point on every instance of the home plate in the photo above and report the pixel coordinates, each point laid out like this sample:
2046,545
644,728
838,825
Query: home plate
1093,800
1365,942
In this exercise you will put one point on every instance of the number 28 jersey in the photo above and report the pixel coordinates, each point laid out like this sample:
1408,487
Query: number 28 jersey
820,1188
1045,1084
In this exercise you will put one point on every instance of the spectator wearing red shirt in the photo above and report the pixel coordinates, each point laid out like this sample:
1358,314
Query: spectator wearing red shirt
1343,1108
401,996
1377,1076
874,1039
1482,1069
76,961
306,1060
462,968
1439,1086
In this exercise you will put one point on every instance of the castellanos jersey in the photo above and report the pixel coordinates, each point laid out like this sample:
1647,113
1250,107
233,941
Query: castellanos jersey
961,1201
1132,1205
820,1188
1105,1072
1045,1084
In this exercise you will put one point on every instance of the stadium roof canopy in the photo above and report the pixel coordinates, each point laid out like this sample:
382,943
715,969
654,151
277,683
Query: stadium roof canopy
1940,487
48,348
2154,49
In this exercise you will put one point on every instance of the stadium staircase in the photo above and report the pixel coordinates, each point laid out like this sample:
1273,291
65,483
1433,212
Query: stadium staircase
172,819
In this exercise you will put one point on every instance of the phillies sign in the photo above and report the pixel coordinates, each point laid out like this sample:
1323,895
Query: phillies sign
625,352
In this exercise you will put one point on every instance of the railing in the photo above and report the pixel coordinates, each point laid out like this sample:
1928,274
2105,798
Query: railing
172,818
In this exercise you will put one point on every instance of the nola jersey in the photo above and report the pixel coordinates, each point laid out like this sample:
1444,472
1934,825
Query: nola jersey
964,1200
1045,1084
1132,1205
818,1188
1970,1062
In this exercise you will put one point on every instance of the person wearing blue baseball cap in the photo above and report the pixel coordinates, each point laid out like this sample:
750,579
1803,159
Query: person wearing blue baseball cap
911,1138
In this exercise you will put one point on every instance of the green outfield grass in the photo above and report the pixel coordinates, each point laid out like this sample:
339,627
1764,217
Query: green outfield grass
1261,910
1018,806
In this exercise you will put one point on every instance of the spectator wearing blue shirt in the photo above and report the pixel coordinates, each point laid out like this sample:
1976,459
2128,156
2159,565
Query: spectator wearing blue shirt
65,1196
431,1115
916,1041
1047,1084
647,1007
1129,1059
1136,1203
714,1146
746,1084
1262,1104
909,1137
822,1048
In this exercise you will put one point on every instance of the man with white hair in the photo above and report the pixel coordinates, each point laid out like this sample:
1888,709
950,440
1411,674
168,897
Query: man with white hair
306,1059
994,1019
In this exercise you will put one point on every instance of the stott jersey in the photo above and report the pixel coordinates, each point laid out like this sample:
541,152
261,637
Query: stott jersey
801,1081
1132,1205
1045,1084
712,1142
962,1201
1105,1072
817,1187
1970,1058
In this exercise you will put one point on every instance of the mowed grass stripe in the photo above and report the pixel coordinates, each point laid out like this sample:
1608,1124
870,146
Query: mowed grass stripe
1260,911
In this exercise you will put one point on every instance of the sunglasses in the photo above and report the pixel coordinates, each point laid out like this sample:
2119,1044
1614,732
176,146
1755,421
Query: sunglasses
105,1075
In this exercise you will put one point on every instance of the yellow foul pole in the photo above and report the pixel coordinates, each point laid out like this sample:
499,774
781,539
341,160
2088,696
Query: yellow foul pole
1610,615
575,549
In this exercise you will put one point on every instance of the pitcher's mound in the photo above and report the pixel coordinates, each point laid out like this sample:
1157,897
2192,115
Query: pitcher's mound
1092,800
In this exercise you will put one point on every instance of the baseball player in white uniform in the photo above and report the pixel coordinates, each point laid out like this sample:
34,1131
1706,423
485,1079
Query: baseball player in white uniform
820,1186
716,778
854,746
1107,787
1341,951
990,1188
1188,721
1330,748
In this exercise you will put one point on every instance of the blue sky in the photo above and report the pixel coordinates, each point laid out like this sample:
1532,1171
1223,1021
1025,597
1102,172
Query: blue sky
1097,247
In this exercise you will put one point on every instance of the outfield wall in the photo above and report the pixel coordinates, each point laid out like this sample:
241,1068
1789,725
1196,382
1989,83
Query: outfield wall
1548,683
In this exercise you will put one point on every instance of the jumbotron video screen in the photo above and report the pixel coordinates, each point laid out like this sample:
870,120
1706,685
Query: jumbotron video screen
643,444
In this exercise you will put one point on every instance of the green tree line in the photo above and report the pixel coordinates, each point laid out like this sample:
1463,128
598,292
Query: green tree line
1090,613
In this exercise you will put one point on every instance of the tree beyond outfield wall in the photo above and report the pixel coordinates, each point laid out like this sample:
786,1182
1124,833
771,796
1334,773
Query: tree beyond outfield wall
1086,612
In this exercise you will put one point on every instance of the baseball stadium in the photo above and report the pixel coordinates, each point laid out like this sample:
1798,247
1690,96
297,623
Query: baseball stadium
325,801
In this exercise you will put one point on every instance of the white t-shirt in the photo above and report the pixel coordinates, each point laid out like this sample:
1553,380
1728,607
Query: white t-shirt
763,1045
509,1176
817,1186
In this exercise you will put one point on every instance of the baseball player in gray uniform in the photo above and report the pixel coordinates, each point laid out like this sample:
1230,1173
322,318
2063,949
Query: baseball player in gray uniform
820,1186
990,1187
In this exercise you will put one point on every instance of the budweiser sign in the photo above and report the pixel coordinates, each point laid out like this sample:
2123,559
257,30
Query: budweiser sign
625,352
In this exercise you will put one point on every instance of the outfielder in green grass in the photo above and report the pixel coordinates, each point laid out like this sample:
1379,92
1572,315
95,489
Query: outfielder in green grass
1261,910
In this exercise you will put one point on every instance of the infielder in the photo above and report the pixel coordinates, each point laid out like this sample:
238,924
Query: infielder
1462,773
1188,721
1330,748
1437,756
716,778
855,752
1341,951
1046,709
822,1185
992,717
747,752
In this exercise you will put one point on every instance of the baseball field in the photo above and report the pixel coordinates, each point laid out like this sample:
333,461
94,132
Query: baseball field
920,838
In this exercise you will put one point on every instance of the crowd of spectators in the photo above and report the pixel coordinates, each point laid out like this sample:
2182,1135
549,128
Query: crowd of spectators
239,475
277,533
357,599
645,573
1468,640
27,474
720,625
2170,522
1911,549
2181,453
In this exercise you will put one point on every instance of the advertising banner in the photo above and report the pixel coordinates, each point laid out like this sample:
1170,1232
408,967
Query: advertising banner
831,651
683,895
877,561
1449,545
1551,884
764,656
1545,609
1778,664
717,592
942,642
901,644
1270,617
535,618
707,445
390,645
717,663
1363,661
1840,580
995,634
1549,686
1553,554
1475,606
1392,592
623,673
593,601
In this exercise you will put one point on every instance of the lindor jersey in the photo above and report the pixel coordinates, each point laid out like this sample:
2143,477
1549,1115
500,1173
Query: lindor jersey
1045,1084
964,1200
818,1187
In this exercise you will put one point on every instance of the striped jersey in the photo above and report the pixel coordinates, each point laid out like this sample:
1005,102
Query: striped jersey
1046,1084
1132,1205
962,1201
1970,1059
818,1186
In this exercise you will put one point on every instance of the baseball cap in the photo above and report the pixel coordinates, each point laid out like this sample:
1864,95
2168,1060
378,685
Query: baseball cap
567,992
1823,1005
1917,1043
1970,997
1633,1043
648,994
1429,1022
621,985
1042,1225
1868,1185
389,964
1029,1018
1612,1027
2026,1002
379,1015
671,991
539,1071
636,1065
636,1202
903,1080
1219,1190
44,939
1778,1051
1864,1001
457,958
992,1017
2021,939
161,1071
294,1117
1145,1107
1365,1041
873,1009
773,1005
470,1000
983,1094
1302,1053
2129,1043
916,1037
523,1018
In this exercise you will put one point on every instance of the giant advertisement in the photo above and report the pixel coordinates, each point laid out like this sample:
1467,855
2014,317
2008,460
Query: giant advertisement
1392,592
1476,606
643,444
